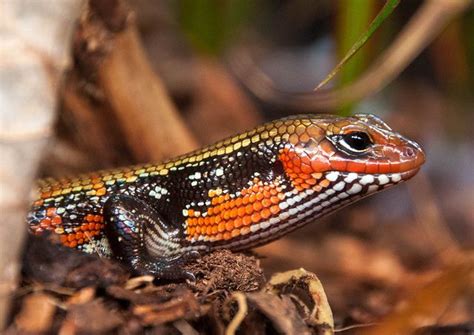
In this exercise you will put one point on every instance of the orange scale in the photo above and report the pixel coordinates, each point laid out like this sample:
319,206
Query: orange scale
190,231
296,160
238,202
221,227
218,219
311,181
63,239
259,196
241,211
229,226
98,185
306,168
320,165
233,213
244,230
51,211
274,199
231,203
257,206
265,213
214,202
298,181
56,220
371,167
256,217
70,237
395,167
101,192
208,230
45,223
81,241
200,221
209,221
249,209
275,209
296,169
266,202
219,236
384,167
46,195
252,198
198,230
246,220
238,222
191,212
89,218
245,200
73,244
273,191
324,183
226,215
97,218
227,235
214,230
339,165
356,166
235,232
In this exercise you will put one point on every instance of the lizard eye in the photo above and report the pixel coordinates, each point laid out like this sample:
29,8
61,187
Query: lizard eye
356,142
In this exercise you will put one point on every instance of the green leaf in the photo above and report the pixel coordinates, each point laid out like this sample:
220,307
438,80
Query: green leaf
387,9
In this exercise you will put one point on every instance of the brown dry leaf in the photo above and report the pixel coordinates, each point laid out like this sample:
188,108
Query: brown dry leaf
292,302
92,317
82,296
307,293
37,313
280,311
429,302
184,306
136,282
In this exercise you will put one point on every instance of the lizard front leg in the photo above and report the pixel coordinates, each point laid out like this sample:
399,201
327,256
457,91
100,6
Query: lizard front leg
143,241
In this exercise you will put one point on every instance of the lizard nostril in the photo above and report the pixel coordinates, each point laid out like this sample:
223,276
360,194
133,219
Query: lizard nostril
409,152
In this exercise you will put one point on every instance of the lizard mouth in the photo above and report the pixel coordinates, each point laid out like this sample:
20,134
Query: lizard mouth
409,174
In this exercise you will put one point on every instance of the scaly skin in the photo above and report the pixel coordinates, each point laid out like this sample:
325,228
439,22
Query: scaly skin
244,191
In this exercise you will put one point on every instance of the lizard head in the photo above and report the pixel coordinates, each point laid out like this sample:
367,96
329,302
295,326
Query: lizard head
355,155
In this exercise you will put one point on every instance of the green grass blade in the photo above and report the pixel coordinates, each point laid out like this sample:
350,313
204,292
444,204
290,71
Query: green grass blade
387,9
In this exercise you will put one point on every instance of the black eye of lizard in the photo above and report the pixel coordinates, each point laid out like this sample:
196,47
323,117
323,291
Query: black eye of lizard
353,143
